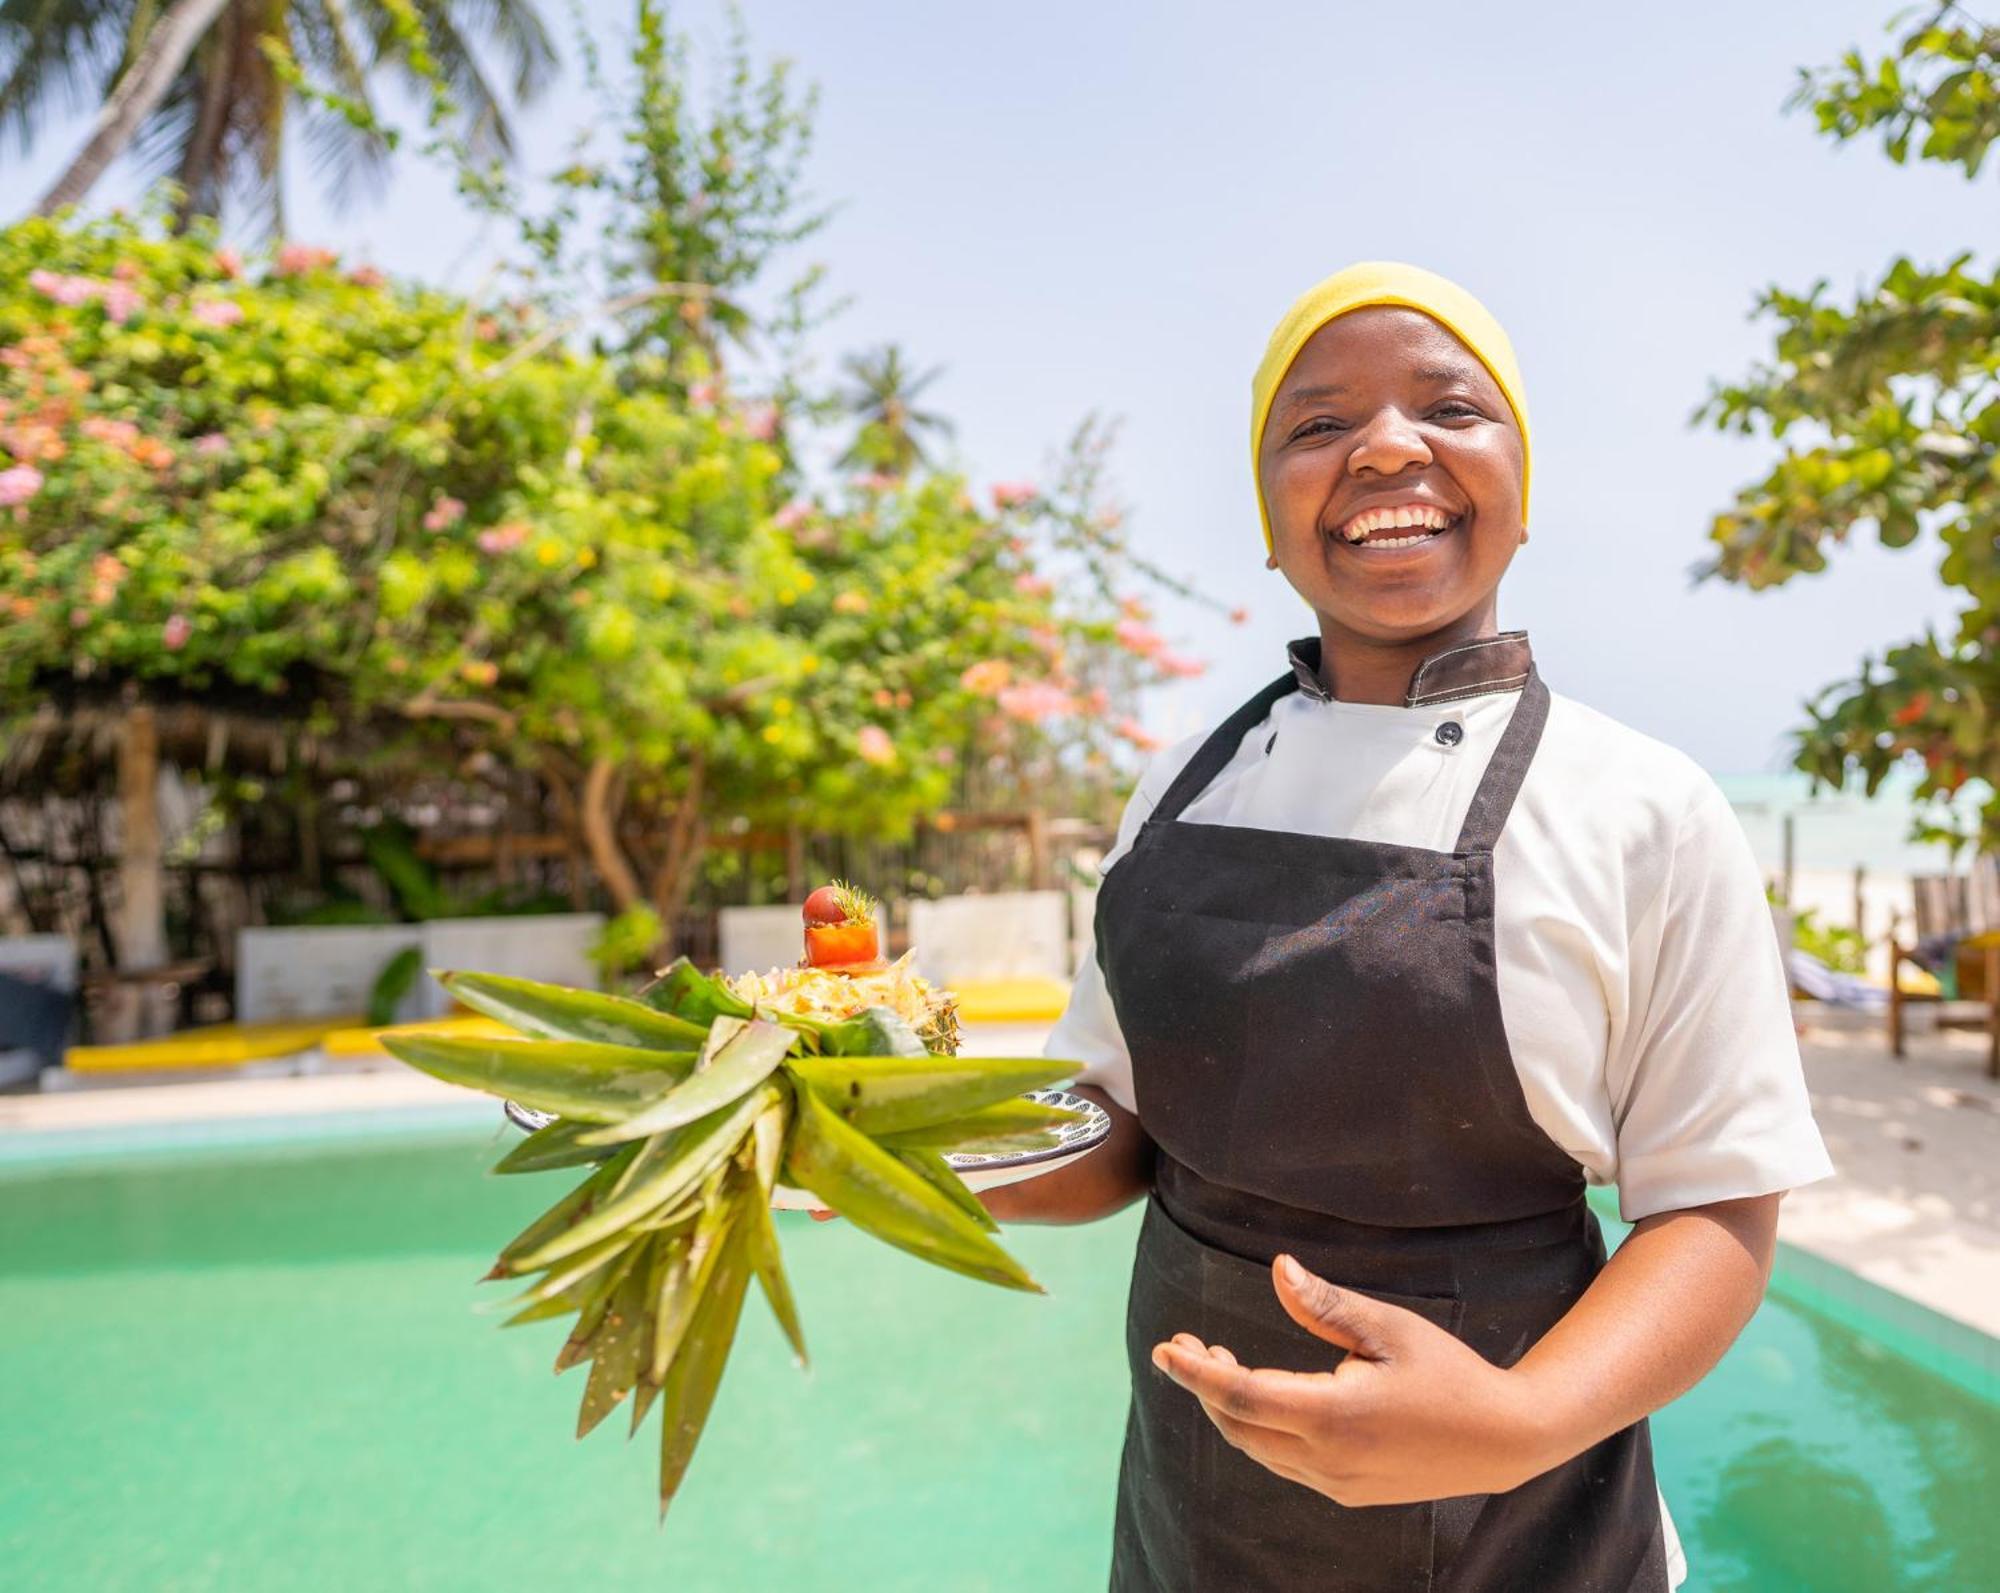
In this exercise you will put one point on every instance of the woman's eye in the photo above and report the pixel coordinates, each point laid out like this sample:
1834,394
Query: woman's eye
1317,428
1456,411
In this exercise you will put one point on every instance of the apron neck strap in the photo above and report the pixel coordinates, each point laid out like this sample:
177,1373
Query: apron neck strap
1219,748
1494,799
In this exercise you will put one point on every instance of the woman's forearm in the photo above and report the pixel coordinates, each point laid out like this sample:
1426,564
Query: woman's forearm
1110,1178
1655,1320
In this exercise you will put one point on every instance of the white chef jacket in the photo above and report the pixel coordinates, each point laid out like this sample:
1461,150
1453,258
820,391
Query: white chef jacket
1641,982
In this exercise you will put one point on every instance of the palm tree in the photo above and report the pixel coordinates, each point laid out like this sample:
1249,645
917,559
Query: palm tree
191,89
883,398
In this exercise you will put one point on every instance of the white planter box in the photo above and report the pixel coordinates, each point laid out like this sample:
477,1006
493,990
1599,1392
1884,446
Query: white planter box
1007,935
313,971
758,939
550,946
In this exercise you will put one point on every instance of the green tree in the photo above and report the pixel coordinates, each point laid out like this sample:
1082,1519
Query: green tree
209,92
1887,407
882,395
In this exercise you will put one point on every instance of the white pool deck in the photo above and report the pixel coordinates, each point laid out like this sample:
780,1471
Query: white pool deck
1914,1207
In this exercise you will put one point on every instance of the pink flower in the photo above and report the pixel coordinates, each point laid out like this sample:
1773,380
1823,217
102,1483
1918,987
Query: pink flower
1096,702
297,259
877,481
1034,586
987,677
1134,608
78,618
229,263
1012,494
218,312
120,301
366,277
702,395
175,633
1131,730
793,515
114,433
126,271
1136,638
444,513
1175,665
1035,700
760,421
1046,638
209,444
108,569
19,484
502,538
67,291
945,756
1239,616
875,746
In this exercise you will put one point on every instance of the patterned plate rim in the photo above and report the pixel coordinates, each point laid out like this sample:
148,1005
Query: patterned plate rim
1076,1137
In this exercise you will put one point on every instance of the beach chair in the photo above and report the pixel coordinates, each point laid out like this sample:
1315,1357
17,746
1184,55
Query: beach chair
1959,916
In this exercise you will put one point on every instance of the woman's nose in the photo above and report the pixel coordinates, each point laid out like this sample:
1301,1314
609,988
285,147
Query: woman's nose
1388,444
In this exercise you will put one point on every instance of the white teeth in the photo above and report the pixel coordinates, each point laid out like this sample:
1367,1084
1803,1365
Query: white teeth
1401,517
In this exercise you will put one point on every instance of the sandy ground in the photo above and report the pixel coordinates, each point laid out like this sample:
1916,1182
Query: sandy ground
1914,1205
1915,1201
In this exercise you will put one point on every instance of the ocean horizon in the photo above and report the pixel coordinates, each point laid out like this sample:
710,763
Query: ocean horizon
1839,830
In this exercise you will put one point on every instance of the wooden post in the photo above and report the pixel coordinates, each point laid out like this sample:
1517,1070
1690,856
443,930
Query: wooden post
1789,837
142,925
795,863
1038,850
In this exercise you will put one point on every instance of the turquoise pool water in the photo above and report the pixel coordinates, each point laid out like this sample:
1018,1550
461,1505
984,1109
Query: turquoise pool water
261,1368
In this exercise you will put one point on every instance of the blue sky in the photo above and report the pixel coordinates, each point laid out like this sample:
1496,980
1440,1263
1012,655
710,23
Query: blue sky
1104,207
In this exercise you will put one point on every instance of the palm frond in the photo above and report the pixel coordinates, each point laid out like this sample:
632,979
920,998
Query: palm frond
56,54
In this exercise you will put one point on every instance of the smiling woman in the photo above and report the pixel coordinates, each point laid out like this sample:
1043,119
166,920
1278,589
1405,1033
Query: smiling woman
1389,966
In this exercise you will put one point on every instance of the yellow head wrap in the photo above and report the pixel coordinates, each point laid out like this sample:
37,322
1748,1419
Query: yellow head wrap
1376,282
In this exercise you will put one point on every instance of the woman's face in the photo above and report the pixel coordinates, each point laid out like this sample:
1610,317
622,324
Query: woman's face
1391,467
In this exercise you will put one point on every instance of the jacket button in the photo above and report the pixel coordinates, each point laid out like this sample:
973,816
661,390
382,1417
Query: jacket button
1450,733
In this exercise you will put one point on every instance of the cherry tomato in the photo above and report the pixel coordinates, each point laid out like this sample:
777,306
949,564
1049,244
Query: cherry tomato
823,907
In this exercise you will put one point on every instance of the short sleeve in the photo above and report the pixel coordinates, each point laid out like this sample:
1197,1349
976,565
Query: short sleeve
1088,1030
1708,1092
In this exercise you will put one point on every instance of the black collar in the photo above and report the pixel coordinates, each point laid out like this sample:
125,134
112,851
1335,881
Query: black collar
1465,669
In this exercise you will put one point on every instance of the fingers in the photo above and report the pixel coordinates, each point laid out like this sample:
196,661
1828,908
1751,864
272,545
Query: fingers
1356,1323
1258,1397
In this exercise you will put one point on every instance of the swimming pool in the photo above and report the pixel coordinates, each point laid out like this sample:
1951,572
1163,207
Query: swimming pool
248,1367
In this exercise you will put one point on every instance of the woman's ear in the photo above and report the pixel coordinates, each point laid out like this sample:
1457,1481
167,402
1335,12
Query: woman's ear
1271,559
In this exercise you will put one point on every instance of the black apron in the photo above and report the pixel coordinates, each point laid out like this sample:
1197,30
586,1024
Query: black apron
1318,1053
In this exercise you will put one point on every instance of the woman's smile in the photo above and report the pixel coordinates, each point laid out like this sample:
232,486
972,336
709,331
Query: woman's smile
1382,527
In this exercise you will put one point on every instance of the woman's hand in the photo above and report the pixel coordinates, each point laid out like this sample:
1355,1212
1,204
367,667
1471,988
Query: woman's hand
1410,1414
1413,1414
1109,1179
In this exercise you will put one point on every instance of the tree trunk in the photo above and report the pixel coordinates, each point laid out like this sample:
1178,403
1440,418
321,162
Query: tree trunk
201,162
600,835
134,97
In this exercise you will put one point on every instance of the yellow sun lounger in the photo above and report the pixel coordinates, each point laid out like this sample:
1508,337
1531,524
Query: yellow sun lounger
1030,1000
220,1045
348,1043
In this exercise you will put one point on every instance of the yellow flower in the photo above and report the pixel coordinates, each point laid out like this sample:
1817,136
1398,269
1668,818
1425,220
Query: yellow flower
773,734
586,557
809,664
781,706
547,554
788,597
